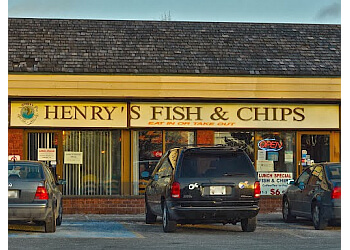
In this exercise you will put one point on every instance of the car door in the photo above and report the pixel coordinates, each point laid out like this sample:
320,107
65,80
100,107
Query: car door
53,189
163,177
151,188
296,193
314,186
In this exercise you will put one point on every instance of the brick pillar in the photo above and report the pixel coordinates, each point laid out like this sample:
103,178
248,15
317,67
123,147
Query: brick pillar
16,142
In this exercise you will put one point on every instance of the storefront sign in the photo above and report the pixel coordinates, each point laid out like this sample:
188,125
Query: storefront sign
46,154
274,183
73,157
270,145
14,157
200,115
68,114
181,115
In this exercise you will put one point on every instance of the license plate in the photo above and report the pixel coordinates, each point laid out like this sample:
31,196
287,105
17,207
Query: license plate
13,194
217,190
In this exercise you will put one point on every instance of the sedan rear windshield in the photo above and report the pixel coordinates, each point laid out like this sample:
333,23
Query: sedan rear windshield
25,171
199,164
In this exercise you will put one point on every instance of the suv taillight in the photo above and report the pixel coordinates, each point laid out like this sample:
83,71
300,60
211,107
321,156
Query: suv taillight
41,193
257,189
175,190
336,193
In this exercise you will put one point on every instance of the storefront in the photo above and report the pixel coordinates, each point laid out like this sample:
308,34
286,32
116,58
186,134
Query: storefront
84,140
102,100
279,138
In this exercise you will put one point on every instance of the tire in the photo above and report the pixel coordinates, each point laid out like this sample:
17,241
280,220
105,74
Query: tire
150,217
50,223
169,226
249,224
287,217
59,218
318,218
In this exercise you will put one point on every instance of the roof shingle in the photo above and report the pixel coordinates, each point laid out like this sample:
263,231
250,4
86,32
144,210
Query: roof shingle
158,47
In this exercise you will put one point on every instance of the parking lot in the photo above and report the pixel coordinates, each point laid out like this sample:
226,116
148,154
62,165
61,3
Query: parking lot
130,232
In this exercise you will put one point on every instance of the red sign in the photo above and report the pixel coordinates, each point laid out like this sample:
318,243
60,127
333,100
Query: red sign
157,153
270,145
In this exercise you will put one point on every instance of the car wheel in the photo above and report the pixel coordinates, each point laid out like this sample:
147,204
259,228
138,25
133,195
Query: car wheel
59,218
249,224
287,217
150,217
318,218
168,225
50,223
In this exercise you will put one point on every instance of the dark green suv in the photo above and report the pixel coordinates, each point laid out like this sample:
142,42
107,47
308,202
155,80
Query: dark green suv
193,185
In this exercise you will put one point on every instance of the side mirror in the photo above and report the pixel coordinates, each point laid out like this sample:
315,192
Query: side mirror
291,182
301,185
62,182
145,175
156,177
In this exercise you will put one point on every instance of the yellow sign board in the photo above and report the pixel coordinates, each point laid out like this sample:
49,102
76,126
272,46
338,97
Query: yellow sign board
174,115
68,114
239,115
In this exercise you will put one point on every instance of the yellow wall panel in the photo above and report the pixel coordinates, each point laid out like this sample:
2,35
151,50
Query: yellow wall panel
172,86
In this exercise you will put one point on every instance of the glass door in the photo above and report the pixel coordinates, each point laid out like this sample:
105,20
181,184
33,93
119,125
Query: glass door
313,147
45,146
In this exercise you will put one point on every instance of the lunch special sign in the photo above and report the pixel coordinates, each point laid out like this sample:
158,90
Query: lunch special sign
200,115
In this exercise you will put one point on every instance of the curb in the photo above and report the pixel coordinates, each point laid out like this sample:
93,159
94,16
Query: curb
141,217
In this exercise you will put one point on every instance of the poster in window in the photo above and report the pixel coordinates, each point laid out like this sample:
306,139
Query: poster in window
261,155
272,156
265,166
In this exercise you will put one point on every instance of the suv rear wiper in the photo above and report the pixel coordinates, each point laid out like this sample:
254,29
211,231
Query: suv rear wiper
235,174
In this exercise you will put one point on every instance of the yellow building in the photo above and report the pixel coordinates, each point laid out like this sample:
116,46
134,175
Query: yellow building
103,100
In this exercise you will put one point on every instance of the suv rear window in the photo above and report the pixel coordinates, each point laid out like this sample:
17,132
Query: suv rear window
215,164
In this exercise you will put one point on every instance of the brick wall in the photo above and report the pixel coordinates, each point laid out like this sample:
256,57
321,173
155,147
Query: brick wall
136,205
15,142
271,204
90,205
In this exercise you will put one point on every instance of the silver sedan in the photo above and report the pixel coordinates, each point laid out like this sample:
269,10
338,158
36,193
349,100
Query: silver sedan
34,194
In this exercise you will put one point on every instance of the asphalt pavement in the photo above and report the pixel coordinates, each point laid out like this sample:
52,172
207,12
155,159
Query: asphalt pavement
107,231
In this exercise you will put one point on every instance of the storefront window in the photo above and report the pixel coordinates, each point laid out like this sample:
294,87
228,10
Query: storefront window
242,139
178,138
92,162
314,149
275,161
148,149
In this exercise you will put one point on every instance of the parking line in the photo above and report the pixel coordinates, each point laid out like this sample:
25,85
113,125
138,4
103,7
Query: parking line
97,229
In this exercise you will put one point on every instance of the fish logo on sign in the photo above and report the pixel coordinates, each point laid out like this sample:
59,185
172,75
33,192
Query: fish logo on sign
28,113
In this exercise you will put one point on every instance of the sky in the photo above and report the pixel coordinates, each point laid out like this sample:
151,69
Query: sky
272,11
